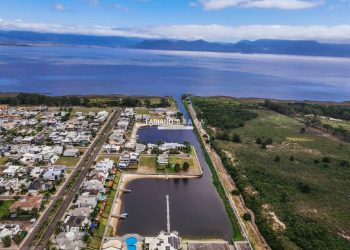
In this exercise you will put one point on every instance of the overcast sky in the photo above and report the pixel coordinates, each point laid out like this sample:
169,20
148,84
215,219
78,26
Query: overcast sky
212,20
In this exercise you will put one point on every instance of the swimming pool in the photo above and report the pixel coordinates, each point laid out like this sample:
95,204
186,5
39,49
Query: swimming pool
131,243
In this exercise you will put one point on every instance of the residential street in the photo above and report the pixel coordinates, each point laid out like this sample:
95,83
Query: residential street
84,166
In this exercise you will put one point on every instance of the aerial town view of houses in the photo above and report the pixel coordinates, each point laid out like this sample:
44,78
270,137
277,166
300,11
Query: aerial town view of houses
64,172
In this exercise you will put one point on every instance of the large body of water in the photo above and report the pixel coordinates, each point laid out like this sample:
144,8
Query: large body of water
58,70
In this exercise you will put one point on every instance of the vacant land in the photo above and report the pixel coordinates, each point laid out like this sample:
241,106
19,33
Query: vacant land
86,110
3,160
296,181
4,208
67,161
114,158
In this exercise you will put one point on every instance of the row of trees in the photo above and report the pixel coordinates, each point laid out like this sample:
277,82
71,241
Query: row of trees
111,101
290,108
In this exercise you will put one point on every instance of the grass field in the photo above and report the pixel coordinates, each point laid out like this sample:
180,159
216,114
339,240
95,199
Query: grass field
336,123
149,161
3,160
4,207
300,200
192,160
86,110
67,161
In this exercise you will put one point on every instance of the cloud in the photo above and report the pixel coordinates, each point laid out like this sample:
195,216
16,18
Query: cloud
267,4
218,33
58,7
120,8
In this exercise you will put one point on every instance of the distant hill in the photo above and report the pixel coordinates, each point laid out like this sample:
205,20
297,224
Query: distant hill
25,38
263,46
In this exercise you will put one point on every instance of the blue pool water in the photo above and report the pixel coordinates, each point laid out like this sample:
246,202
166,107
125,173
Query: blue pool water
131,242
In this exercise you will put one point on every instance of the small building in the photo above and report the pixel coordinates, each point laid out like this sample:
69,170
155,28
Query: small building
53,173
163,159
27,204
9,230
11,170
104,165
168,241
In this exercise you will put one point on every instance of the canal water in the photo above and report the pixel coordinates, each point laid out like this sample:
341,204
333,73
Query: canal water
196,209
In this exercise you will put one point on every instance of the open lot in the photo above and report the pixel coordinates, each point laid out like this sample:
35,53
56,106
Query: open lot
67,161
297,186
4,207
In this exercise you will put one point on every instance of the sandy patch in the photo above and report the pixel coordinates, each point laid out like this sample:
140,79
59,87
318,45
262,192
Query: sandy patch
277,224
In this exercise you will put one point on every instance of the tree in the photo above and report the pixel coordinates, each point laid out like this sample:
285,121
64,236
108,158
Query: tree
258,140
263,145
58,227
17,238
247,217
47,195
269,141
277,159
235,192
304,188
86,238
6,241
177,167
236,138
326,159
291,158
302,130
185,166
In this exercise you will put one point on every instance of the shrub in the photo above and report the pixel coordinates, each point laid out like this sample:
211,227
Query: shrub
291,158
6,241
258,141
235,192
185,166
304,188
236,138
326,159
177,167
277,159
247,217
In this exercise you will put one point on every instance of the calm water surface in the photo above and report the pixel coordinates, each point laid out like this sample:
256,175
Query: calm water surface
58,70
196,209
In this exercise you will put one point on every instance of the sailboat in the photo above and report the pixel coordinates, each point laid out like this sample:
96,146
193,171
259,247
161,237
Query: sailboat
123,215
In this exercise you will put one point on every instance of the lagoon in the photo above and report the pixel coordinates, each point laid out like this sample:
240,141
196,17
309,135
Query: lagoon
67,70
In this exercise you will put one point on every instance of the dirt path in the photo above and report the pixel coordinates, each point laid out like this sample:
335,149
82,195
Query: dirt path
256,239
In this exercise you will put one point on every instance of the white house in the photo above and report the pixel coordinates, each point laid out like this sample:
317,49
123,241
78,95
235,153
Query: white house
104,165
53,173
9,230
11,170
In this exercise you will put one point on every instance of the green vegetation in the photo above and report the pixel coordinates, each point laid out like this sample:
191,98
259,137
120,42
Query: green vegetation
3,160
102,101
4,208
300,177
222,114
148,161
67,161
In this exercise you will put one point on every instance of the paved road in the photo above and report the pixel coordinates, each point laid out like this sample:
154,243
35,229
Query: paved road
84,165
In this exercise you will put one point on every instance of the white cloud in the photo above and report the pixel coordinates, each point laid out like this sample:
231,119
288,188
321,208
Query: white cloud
120,8
58,7
277,4
219,33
